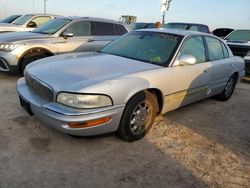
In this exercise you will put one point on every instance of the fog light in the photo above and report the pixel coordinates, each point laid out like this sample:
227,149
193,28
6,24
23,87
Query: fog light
90,123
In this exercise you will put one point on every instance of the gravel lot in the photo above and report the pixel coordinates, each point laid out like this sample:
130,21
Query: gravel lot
206,144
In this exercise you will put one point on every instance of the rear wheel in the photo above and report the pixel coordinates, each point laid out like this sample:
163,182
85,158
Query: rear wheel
138,116
228,90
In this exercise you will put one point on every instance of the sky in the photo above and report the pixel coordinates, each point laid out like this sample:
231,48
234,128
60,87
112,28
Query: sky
215,13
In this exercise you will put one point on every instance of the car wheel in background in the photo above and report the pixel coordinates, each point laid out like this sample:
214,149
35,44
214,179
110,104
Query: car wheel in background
228,90
138,116
30,57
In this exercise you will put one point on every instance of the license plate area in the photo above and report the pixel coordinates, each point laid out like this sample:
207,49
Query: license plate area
26,106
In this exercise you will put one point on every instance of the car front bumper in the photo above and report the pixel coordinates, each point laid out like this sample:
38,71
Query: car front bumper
247,64
59,116
8,62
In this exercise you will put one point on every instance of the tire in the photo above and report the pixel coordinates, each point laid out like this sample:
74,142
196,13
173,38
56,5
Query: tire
29,58
136,121
228,90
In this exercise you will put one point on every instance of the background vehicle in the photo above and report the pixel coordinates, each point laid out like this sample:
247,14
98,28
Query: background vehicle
124,86
222,32
10,19
239,42
27,22
187,26
62,35
141,25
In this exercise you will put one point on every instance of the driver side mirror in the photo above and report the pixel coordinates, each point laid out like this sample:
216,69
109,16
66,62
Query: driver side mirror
32,25
67,34
186,59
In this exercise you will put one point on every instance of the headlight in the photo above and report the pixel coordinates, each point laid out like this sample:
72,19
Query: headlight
84,101
8,47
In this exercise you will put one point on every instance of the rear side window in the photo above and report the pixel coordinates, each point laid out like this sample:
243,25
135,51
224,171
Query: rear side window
203,29
193,28
79,29
215,50
103,28
120,29
194,46
225,51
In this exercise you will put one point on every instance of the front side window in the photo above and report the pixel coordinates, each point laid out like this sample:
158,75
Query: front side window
41,20
52,26
80,29
103,28
194,46
215,50
151,47
23,19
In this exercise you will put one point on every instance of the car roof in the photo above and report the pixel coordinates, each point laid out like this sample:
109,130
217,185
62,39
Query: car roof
183,23
37,14
92,19
175,31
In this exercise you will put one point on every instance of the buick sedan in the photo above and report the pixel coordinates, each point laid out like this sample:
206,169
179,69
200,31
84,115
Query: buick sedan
124,86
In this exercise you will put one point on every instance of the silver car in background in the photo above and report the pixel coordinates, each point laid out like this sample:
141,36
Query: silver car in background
62,35
27,22
124,86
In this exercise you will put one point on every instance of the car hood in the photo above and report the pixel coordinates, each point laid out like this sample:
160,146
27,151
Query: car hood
73,72
9,27
18,36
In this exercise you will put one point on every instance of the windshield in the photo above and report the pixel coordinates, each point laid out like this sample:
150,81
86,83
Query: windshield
22,20
9,19
52,26
151,47
136,26
239,35
176,26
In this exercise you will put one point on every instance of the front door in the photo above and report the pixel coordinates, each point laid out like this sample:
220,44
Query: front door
79,42
190,82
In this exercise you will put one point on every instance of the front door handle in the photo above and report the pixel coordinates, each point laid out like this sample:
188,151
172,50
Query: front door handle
90,40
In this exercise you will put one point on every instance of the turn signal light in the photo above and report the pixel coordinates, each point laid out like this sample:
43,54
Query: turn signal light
90,123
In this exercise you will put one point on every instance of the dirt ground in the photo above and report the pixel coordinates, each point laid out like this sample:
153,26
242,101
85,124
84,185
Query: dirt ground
206,144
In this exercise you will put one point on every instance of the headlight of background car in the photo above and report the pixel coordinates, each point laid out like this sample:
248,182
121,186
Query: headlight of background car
84,101
8,47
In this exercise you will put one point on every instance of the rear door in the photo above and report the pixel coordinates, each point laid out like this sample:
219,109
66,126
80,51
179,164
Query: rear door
104,33
81,40
190,82
222,65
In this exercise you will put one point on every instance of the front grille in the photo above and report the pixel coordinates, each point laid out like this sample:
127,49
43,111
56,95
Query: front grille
240,50
3,66
41,89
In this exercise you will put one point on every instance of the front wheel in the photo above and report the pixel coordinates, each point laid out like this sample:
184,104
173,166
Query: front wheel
228,90
138,117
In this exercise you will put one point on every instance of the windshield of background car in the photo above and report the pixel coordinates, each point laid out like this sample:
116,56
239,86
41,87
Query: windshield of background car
151,47
136,26
175,26
239,35
9,19
22,20
52,26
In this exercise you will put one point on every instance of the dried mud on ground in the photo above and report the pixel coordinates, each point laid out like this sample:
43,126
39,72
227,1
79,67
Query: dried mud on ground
206,144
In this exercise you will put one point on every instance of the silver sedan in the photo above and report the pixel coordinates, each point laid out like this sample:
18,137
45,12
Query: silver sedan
125,85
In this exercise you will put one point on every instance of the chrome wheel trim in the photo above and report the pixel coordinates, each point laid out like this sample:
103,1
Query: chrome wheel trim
229,87
140,118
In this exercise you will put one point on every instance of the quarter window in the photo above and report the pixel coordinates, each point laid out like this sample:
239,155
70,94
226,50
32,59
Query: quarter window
226,54
103,28
215,50
195,47
41,20
120,29
80,29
